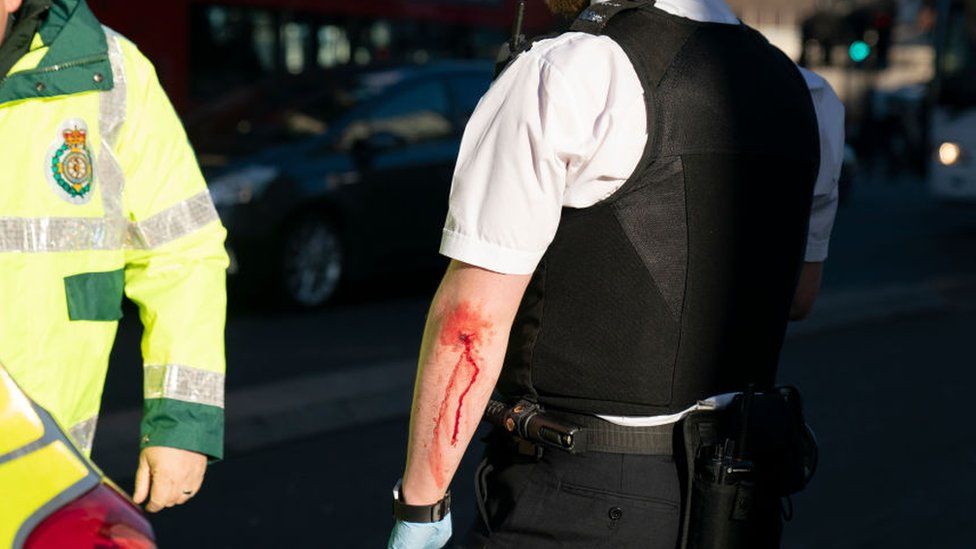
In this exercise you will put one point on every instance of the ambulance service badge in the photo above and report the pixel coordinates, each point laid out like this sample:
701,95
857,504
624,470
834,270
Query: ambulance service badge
69,167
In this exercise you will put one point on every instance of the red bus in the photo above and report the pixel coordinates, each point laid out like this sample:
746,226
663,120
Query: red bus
205,48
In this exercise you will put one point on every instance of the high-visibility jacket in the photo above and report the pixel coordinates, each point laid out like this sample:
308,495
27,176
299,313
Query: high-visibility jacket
101,194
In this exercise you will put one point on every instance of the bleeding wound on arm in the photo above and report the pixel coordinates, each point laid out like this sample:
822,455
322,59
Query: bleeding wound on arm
463,333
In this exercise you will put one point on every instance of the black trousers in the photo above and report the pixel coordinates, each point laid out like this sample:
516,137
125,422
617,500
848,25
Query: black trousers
588,501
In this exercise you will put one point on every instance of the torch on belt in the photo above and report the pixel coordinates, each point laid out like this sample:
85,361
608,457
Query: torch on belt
527,420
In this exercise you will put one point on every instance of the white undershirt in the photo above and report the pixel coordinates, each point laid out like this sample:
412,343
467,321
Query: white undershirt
565,126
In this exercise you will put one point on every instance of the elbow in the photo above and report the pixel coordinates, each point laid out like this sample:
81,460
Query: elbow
801,311
807,291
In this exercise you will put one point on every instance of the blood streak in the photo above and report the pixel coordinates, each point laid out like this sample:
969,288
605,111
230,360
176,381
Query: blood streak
468,357
462,332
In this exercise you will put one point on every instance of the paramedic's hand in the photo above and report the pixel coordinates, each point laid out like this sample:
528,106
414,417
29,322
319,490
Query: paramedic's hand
168,477
415,535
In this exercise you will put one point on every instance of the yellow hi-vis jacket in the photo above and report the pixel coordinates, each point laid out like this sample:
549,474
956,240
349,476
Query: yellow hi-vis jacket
101,194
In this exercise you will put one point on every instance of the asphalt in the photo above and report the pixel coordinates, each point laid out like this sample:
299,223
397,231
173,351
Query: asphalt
317,401
889,401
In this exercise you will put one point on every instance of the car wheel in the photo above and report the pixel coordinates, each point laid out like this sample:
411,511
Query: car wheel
312,263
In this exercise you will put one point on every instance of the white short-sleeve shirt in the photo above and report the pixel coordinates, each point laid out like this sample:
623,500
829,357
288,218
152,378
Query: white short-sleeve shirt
565,126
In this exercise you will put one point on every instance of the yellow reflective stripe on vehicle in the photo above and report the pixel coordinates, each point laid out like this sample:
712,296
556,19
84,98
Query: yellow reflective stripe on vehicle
66,477
21,426
174,222
31,497
184,383
83,433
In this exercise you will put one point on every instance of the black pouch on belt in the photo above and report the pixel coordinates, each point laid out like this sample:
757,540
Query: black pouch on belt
741,462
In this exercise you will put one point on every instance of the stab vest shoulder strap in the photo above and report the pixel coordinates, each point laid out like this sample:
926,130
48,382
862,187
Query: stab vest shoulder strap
592,21
595,18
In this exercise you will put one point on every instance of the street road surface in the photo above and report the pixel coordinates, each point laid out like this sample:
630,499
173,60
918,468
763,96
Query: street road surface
886,388
888,400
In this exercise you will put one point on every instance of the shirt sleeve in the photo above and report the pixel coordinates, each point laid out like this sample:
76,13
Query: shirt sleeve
826,196
528,133
175,270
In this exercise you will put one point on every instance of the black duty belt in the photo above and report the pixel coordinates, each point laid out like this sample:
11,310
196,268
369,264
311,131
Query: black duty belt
578,433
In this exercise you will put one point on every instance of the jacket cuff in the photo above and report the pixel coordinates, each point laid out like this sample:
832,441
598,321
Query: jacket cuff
184,425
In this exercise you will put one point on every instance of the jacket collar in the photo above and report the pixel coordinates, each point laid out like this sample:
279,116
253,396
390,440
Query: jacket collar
76,60
72,32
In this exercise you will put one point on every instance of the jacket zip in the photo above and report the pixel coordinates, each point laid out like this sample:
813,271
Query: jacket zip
55,68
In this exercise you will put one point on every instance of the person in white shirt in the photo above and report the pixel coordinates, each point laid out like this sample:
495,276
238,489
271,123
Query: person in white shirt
564,131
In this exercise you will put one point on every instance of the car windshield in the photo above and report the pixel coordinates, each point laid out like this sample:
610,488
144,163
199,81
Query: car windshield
326,104
280,111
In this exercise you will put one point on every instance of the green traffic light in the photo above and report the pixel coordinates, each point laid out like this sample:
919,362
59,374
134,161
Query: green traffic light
860,51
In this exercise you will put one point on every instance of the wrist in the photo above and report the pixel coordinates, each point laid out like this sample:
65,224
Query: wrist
414,494
419,512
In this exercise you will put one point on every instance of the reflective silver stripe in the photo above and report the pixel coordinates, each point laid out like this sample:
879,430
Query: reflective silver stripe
178,220
72,234
83,433
111,116
112,109
60,234
184,383
109,175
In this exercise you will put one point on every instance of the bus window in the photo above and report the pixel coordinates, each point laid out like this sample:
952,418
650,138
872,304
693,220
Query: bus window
334,48
295,38
230,46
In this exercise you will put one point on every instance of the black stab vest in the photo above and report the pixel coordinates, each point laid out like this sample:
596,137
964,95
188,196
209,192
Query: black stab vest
679,285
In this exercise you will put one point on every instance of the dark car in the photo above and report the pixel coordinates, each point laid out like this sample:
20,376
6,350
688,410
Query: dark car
358,181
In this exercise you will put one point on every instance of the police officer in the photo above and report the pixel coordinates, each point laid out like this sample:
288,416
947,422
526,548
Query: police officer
102,195
638,208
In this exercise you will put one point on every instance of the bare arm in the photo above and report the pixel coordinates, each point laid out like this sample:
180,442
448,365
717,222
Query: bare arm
807,290
460,359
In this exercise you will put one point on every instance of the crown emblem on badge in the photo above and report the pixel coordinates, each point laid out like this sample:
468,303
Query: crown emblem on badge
75,137
70,168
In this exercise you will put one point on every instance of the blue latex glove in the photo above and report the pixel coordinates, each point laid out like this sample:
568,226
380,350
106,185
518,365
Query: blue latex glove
420,535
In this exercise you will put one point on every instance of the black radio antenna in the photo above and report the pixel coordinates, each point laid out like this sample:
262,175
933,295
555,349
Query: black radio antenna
518,38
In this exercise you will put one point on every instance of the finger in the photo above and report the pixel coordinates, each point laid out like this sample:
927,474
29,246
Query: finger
185,496
192,485
142,482
163,493
192,488
197,481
